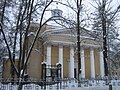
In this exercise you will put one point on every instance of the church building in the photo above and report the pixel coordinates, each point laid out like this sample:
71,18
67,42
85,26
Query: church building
58,45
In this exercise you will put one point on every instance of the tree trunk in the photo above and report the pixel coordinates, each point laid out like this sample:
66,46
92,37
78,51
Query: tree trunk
20,85
78,37
105,49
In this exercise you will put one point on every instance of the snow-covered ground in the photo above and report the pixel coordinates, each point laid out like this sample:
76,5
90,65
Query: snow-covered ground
68,85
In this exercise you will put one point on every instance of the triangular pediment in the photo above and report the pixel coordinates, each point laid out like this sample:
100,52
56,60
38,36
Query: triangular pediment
66,32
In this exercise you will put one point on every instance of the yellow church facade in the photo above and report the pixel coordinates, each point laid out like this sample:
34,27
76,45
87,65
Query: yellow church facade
58,45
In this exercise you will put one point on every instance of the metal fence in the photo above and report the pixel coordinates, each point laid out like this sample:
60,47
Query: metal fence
65,83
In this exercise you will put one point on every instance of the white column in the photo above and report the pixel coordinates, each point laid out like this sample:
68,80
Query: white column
92,63
71,65
1,66
101,64
48,55
61,59
82,63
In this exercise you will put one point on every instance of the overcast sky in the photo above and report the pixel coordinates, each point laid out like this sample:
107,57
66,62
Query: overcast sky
87,3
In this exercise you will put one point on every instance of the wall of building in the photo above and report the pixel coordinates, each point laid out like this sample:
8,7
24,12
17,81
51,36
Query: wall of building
39,53
66,57
6,69
34,65
54,55
97,62
34,68
87,62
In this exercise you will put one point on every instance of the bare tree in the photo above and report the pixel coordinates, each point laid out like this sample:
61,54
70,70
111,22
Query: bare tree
105,24
74,23
19,27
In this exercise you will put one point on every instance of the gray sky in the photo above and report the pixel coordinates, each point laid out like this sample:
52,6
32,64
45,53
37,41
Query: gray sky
68,13
87,3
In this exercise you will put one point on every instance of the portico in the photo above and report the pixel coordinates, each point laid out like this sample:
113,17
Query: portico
69,63
59,45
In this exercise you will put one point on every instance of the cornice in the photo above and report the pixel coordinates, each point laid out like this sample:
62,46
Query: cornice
56,42
71,36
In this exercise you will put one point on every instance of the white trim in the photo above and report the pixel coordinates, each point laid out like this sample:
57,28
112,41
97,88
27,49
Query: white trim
48,59
1,66
82,63
31,33
92,63
101,64
47,32
72,36
71,63
61,59
64,43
